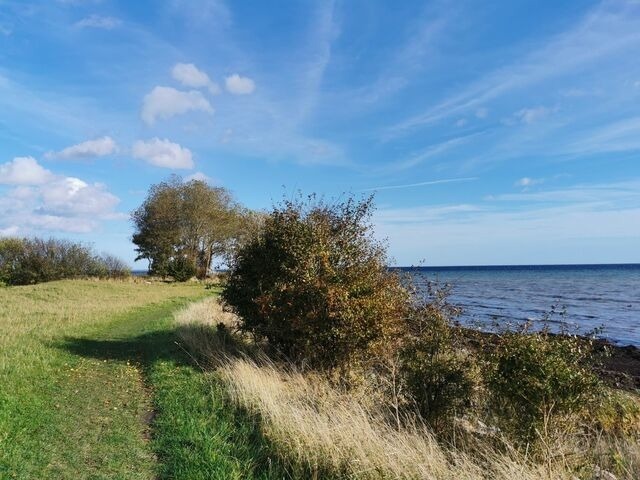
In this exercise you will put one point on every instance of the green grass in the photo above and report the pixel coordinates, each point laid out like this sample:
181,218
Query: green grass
94,386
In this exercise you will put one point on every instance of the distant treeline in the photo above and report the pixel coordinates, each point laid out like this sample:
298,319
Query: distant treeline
25,261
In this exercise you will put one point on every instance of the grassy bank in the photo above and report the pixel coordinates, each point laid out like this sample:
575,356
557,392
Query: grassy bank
318,430
93,385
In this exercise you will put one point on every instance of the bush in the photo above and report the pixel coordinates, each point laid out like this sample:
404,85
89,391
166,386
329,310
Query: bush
437,372
114,266
314,284
26,261
182,269
539,378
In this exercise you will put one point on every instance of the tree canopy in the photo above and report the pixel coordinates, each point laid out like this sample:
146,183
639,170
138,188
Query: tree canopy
190,221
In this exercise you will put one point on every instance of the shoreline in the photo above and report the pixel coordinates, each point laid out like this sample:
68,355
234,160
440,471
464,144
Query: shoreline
619,369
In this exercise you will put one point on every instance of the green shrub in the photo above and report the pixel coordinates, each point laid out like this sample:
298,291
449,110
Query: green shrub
12,250
538,379
25,261
114,267
182,269
440,376
314,283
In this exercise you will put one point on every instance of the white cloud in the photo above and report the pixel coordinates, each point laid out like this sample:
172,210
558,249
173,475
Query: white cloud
78,2
209,14
528,182
99,21
461,123
70,196
5,30
531,115
239,85
432,151
582,48
98,147
165,102
44,201
190,76
624,194
9,231
163,153
423,184
23,171
200,177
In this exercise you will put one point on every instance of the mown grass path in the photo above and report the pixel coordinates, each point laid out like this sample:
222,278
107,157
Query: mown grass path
67,414
94,385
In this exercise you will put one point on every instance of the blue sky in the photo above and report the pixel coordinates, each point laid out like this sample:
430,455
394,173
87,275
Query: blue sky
492,132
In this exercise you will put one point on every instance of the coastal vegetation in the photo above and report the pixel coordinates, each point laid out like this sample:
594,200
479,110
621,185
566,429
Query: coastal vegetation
24,261
309,358
313,297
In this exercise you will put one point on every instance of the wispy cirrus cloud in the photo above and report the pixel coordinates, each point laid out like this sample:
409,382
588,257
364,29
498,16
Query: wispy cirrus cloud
624,193
99,21
422,184
580,47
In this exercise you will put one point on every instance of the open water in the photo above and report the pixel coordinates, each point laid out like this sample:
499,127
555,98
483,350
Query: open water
593,296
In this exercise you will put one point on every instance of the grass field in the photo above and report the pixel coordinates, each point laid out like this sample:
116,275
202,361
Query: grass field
94,386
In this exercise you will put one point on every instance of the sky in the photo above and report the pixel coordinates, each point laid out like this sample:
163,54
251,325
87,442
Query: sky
497,132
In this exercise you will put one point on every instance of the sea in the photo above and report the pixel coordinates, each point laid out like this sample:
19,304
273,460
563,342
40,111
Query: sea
579,298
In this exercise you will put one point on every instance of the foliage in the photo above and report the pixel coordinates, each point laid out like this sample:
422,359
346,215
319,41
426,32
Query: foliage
181,268
114,267
314,283
438,373
539,378
189,219
26,261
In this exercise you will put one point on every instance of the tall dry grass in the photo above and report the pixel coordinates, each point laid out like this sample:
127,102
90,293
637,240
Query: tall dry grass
318,429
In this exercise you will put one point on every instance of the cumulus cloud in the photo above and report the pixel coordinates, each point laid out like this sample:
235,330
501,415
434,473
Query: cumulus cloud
43,201
163,153
98,147
23,171
200,177
70,196
99,21
166,102
190,76
239,85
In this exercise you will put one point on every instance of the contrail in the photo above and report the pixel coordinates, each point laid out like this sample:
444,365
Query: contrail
421,184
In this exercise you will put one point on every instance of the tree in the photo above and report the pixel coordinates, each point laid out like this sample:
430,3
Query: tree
186,219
